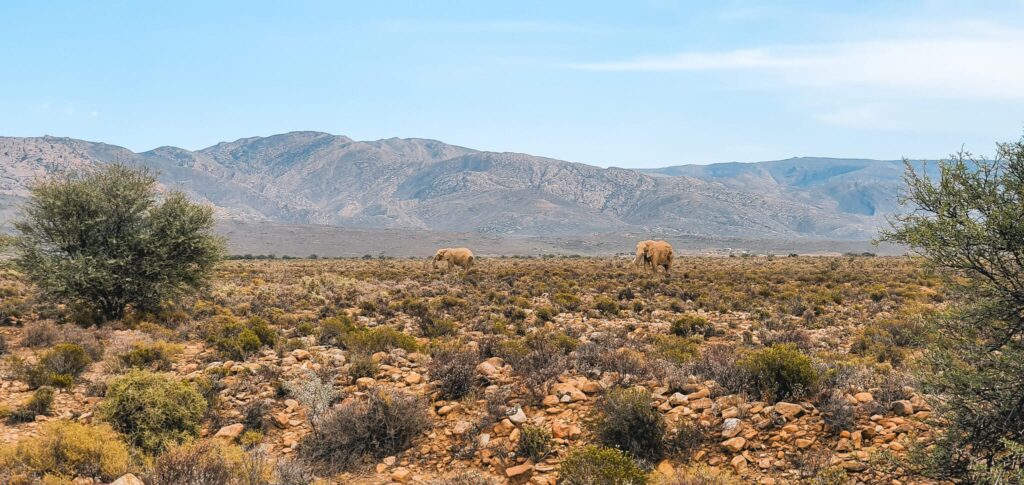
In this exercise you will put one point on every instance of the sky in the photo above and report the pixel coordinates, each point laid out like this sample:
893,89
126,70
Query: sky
629,84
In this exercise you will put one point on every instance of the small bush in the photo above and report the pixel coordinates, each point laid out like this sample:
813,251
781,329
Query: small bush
38,405
315,391
383,423
40,334
58,366
379,339
236,340
465,478
691,324
454,369
721,364
678,350
566,301
432,327
779,372
206,462
254,415
153,410
534,443
290,471
628,422
155,356
595,465
837,414
701,475
333,330
606,306
688,438
545,313
362,365
66,449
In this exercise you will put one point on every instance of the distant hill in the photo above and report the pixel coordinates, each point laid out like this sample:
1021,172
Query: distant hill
844,185
319,178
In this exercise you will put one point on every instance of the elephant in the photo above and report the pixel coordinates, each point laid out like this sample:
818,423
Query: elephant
640,260
654,254
454,257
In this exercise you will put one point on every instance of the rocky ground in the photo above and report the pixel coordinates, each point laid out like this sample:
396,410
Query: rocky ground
832,309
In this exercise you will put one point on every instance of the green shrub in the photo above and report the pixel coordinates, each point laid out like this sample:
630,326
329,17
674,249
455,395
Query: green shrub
545,313
437,327
566,301
675,349
58,366
595,465
334,329
141,253
534,443
236,340
691,324
38,405
779,372
628,422
153,410
157,356
606,306
379,339
64,450
362,365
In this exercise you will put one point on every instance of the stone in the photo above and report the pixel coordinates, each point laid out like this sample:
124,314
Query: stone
734,444
462,427
677,399
699,394
854,466
789,410
738,462
300,354
127,479
902,408
365,382
666,470
731,427
803,443
401,475
519,471
486,369
413,378
280,420
550,400
863,397
519,417
230,431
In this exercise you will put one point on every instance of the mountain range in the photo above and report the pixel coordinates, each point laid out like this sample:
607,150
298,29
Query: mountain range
318,178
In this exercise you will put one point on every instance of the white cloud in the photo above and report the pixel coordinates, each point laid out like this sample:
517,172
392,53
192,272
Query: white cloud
981,64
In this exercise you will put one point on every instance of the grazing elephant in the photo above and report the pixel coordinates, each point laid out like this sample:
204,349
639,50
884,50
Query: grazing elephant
654,254
640,260
454,257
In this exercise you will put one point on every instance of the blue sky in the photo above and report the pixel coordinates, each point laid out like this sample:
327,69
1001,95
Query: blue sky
632,84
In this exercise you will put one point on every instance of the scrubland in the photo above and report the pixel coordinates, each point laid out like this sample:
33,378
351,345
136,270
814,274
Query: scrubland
557,370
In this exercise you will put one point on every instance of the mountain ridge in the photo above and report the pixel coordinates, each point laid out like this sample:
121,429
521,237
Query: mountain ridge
309,177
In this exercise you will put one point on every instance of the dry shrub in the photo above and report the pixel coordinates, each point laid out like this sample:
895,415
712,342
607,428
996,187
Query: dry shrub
210,463
454,369
382,423
40,334
153,410
64,450
720,363
628,422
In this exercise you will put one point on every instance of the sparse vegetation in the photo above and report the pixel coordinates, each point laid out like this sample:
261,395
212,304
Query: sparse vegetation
594,465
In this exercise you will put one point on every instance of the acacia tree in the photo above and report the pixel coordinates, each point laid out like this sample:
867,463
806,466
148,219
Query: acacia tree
970,224
104,241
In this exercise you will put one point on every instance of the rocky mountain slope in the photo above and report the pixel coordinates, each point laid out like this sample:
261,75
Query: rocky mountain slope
318,178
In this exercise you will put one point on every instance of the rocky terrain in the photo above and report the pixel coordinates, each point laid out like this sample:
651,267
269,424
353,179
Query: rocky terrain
318,178
515,363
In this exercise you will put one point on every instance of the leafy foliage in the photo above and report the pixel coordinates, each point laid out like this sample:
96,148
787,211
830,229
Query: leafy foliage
595,465
102,241
153,410
629,422
967,223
